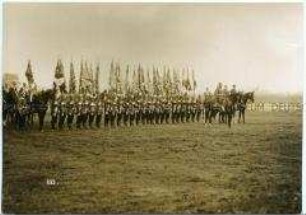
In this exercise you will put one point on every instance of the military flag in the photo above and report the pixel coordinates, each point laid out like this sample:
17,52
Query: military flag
29,73
97,79
60,77
194,83
81,82
127,79
118,78
111,75
72,82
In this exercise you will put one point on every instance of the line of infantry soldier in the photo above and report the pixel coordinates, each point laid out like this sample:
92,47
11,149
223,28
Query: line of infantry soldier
91,111
88,111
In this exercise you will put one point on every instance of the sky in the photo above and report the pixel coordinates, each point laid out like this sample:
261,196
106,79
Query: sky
257,46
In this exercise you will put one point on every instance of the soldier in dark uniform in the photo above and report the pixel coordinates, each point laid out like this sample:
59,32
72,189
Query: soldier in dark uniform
156,112
173,111
208,105
54,114
85,112
78,112
62,112
151,113
219,93
168,108
113,114
132,113
100,112
92,112
107,113
137,112
146,112
162,111
143,112
70,112
233,92
126,113
199,108
188,110
119,113
22,111
193,110
178,111
183,111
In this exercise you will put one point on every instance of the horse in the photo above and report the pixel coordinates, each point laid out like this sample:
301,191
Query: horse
243,98
225,109
228,104
39,105
9,104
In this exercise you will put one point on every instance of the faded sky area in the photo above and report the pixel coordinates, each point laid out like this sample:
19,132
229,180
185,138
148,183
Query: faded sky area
252,45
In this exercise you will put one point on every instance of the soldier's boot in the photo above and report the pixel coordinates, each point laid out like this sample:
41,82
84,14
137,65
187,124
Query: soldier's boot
119,121
85,119
106,121
53,122
98,120
90,122
78,122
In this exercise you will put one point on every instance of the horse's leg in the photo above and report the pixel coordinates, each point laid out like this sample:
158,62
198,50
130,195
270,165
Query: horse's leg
206,115
239,117
243,116
229,117
4,116
32,120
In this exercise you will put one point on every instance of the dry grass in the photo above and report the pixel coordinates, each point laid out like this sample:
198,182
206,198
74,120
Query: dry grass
187,168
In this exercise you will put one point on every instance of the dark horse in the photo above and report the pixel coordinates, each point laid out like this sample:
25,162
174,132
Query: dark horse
229,104
225,110
9,105
243,98
39,105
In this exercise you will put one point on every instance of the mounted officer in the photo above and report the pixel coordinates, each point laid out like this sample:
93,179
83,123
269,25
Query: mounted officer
54,114
219,93
233,93
22,111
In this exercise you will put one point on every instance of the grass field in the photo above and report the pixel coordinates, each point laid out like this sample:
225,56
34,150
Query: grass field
189,168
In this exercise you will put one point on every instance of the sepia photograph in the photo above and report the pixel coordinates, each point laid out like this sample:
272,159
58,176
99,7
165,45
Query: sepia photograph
152,108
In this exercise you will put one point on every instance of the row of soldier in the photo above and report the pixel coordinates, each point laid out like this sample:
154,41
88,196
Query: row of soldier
88,111
96,112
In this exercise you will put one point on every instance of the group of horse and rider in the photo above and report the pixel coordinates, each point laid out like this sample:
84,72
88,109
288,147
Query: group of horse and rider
107,109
